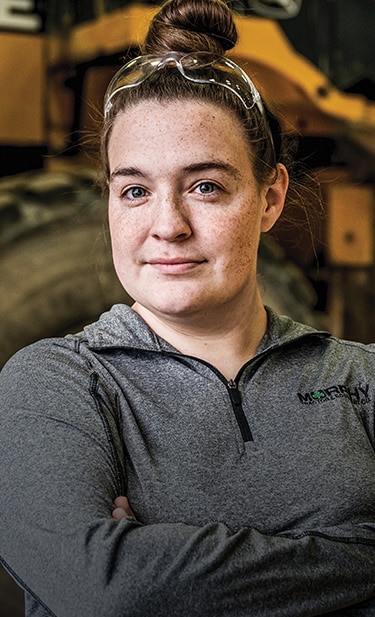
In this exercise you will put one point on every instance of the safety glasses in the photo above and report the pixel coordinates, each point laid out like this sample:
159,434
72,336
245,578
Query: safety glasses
198,67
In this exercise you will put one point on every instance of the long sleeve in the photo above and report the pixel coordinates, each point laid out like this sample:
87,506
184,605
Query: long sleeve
60,471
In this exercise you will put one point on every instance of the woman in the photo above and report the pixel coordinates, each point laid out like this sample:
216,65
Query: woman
244,442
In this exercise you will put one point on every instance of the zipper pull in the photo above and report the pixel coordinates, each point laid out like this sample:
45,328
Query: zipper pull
234,392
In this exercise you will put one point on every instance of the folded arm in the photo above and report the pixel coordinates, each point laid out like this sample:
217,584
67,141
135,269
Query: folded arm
58,481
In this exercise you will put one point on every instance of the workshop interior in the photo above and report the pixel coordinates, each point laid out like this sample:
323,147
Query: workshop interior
312,60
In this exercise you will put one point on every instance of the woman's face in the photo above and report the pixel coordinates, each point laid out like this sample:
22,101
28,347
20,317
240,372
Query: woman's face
185,211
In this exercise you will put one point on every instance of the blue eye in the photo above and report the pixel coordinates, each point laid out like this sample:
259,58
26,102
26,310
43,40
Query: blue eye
135,192
206,188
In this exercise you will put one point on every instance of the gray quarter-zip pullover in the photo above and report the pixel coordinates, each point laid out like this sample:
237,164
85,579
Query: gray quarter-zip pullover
254,497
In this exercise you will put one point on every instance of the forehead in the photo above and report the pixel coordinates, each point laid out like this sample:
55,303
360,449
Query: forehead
177,129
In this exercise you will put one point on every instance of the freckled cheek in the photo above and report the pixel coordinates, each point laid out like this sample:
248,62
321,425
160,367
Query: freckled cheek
240,246
239,233
126,235
122,249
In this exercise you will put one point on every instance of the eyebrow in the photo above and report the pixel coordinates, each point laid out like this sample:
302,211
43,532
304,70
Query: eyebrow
215,164
189,169
126,171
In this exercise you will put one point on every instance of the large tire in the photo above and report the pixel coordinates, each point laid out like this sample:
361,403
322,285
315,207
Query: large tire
55,259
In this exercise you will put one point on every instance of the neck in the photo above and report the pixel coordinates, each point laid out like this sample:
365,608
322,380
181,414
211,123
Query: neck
225,343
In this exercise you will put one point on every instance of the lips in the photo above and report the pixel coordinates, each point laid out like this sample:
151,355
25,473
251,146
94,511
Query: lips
175,265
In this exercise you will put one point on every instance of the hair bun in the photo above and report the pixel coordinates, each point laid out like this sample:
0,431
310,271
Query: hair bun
191,25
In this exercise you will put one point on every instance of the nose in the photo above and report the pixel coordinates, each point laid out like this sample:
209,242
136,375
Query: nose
171,220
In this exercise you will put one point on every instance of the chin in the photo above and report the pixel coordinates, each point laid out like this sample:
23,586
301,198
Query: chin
175,308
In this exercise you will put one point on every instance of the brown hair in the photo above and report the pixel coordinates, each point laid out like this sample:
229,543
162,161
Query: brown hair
191,26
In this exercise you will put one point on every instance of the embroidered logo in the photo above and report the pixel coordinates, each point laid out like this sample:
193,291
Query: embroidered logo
359,395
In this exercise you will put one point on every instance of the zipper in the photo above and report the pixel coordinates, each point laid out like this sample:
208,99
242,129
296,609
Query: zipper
236,400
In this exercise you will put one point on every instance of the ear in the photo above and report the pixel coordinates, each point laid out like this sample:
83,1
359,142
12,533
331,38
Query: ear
274,198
